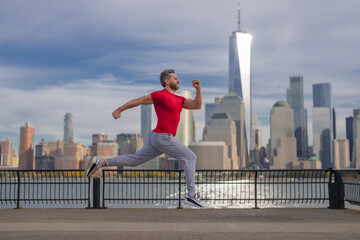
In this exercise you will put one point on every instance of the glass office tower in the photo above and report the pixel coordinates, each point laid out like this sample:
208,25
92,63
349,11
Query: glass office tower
239,75
295,98
323,124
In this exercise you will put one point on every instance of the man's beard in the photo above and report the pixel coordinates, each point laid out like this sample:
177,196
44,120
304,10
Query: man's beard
174,86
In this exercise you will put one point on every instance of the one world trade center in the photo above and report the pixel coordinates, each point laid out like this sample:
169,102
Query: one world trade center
239,74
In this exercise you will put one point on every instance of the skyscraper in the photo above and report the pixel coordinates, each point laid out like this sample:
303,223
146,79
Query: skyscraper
222,128
27,147
349,134
233,105
295,97
239,73
68,128
282,140
323,124
356,139
186,125
6,153
145,122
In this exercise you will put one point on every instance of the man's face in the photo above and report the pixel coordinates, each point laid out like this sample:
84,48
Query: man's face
174,82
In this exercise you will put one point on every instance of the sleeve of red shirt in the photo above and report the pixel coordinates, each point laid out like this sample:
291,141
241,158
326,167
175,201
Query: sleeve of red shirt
156,97
183,100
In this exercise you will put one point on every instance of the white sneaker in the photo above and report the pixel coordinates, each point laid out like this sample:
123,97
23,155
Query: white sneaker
194,201
91,167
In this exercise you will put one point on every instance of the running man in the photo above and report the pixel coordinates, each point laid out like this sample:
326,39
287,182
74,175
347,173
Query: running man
168,107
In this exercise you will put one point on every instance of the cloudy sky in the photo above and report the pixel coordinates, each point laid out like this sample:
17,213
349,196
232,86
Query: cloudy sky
88,57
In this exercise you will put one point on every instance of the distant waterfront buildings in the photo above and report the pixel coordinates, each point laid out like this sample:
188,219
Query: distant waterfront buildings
27,147
295,98
323,124
145,122
68,128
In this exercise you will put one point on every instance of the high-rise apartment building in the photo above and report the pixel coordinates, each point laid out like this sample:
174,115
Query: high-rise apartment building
26,148
68,128
282,140
186,125
6,153
341,153
323,124
240,74
295,97
145,121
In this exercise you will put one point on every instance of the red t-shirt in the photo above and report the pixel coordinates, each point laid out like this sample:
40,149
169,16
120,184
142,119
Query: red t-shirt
168,107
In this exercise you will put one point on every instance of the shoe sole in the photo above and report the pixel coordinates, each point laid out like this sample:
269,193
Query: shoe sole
90,167
193,203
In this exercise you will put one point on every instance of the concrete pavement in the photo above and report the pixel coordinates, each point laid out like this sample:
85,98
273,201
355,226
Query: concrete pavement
293,223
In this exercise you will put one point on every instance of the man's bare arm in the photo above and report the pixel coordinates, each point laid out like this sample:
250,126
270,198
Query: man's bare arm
194,103
145,100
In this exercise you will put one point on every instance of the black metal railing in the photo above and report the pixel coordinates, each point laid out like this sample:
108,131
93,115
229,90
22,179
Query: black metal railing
44,187
348,185
129,188
228,187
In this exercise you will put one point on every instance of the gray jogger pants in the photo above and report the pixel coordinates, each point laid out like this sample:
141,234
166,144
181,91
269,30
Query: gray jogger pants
157,144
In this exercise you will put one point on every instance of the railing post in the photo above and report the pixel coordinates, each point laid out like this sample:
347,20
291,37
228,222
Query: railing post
336,191
179,206
96,193
103,190
18,192
256,176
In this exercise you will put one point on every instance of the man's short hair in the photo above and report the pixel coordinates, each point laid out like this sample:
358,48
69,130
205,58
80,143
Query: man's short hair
165,75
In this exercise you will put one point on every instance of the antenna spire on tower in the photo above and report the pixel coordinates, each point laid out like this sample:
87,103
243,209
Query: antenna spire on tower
239,26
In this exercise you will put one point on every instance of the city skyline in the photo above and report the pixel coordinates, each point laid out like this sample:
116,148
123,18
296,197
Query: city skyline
93,60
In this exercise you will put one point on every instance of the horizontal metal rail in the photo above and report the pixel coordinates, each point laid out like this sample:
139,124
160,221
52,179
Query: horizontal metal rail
44,187
217,186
